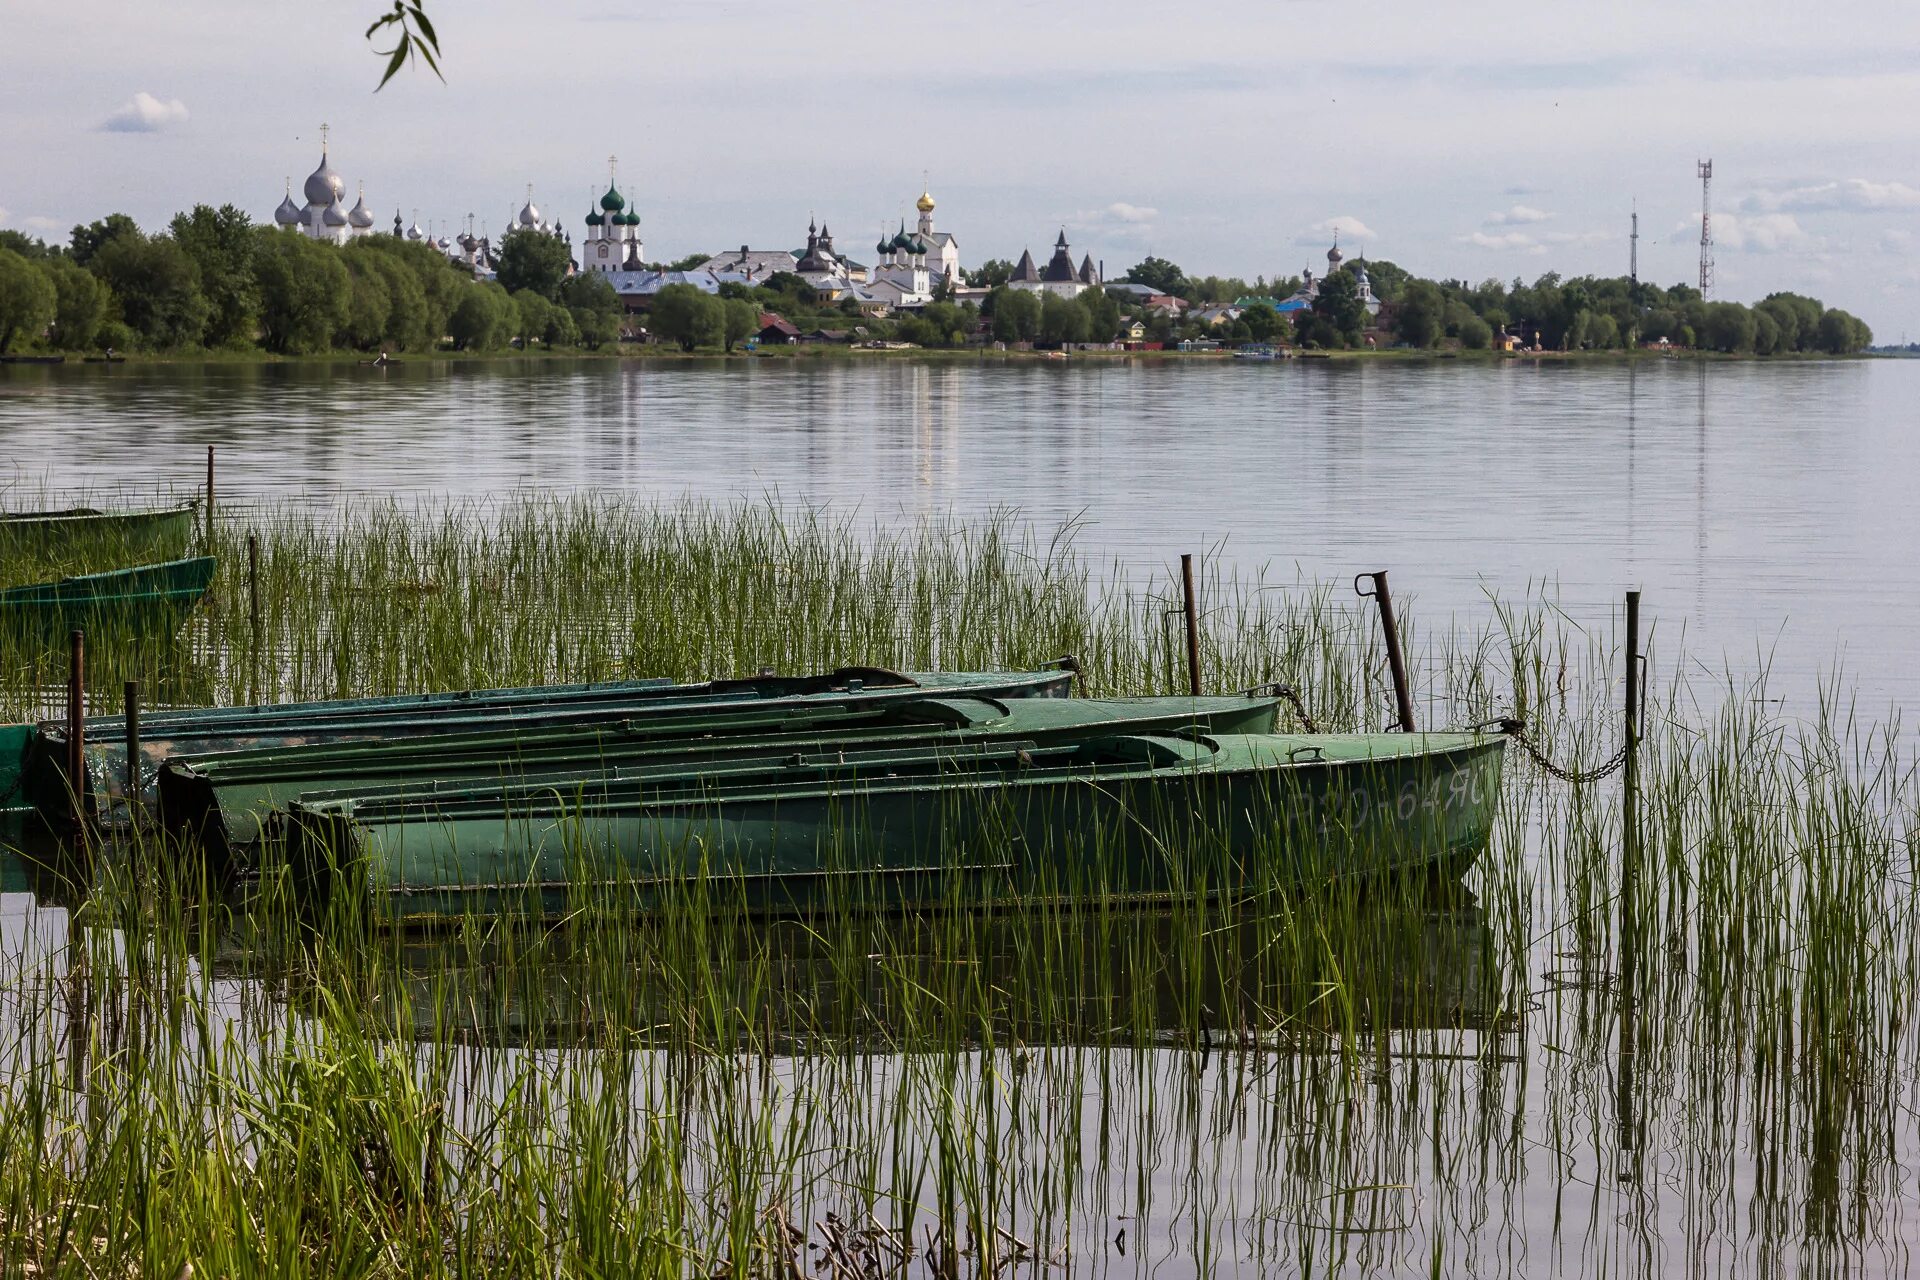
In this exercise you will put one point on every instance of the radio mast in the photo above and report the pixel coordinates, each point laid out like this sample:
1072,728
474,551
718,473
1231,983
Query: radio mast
1706,227
1633,242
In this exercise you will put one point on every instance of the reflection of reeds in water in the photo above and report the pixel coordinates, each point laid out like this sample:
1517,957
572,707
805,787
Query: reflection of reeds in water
1366,1079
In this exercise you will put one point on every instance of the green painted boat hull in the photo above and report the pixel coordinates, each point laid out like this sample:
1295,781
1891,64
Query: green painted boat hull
84,536
199,733
1138,817
220,802
147,602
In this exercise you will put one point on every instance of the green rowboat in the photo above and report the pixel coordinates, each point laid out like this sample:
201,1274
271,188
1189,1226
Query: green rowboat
147,602
80,534
222,801
202,732
1142,816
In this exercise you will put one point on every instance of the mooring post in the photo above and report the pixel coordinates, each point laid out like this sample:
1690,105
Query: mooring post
1396,660
1626,1103
209,499
77,729
1193,625
1630,801
133,747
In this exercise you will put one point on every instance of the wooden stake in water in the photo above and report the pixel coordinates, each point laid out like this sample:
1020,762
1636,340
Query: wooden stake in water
1193,625
1396,660
1630,801
133,747
77,729
209,498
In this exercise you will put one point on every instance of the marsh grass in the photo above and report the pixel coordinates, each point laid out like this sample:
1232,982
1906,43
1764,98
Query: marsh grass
1362,1080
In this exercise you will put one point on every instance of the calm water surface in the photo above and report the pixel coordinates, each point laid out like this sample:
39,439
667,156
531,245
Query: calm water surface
1767,508
1764,509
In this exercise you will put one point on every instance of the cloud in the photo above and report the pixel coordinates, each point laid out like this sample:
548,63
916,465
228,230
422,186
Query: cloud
1522,189
144,113
1345,226
1132,212
1511,241
1755,233
1518,215
36,223
1854,194
1117,221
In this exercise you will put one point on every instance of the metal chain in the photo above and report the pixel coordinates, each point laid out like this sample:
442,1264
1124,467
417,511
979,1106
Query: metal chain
1292,698
1517,730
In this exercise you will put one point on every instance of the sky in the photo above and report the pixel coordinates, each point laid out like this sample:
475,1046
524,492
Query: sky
1458,140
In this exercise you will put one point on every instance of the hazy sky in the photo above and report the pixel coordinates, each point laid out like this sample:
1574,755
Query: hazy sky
1466,140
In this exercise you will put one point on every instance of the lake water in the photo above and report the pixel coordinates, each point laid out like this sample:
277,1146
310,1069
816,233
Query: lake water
1763,509
1766,507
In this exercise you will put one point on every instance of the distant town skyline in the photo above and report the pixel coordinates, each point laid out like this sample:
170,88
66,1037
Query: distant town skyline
1234,141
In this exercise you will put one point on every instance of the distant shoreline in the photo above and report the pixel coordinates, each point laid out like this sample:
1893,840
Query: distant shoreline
937,355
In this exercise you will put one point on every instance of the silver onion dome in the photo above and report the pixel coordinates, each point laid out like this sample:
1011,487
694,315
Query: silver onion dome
324,185
335,216
360,215
288,214
414,232
528,215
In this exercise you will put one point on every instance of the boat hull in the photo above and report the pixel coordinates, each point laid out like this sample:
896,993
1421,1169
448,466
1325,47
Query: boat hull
147,602
84,534
221,802
1283,811
203,732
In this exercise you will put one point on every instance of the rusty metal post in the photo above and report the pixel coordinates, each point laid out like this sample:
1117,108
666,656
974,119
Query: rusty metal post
209,499
1630,801
77,729
133,746
1193,625
1396,660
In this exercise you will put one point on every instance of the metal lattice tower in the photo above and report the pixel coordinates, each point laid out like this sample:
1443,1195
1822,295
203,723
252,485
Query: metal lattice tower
1706,227
1633,243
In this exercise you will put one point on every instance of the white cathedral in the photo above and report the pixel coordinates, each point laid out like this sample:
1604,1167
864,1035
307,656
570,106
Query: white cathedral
325,216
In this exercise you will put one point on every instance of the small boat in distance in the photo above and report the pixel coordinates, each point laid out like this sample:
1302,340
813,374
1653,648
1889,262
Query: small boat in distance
1256,351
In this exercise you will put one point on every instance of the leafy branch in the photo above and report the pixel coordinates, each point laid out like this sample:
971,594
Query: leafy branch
414,36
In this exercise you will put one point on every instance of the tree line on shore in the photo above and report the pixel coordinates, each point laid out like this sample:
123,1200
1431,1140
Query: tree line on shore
215,280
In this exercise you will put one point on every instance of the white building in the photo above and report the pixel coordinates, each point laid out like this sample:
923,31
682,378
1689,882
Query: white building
612,242
1060,275
1310,288
943,251
901,277
325,215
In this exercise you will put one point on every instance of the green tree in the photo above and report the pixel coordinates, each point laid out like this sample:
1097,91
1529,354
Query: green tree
739,320
95,236
1841,334
1016,314
412,324
684,314
482,320
1728,327
1766,332
1062,320
1475,334
1338,303
532,260
592,328
1159,275
531,313
30,247
221,242
591,290
561,330
1387,279
369,306
306,295
990,274
1103,314
1262,321
157,287
27,299
1419,315
80,301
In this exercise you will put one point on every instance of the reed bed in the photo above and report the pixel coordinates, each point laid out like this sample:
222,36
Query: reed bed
1363,1080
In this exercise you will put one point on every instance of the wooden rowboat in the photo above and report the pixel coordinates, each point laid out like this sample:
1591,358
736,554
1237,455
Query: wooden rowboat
84,533
198,733
1141,816
221,802
149,601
